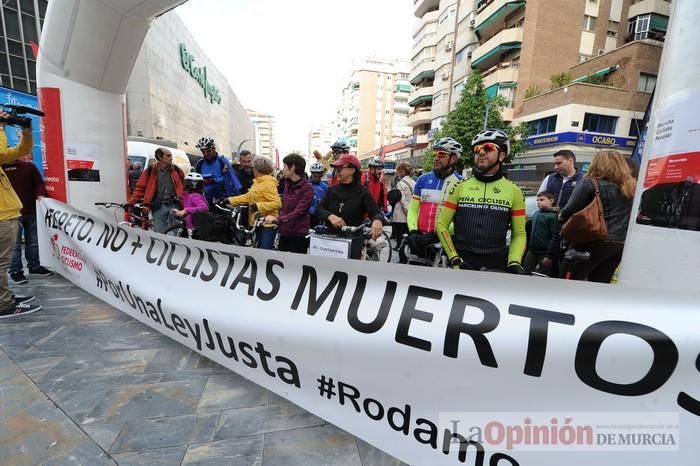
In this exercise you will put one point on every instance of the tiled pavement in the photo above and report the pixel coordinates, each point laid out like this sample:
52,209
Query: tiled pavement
83,383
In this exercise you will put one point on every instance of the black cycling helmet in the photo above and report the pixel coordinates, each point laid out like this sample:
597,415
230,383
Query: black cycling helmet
205,143
340,147
497,136
375,162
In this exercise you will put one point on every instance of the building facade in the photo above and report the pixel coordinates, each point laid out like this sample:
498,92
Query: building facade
264,134
519,46
22,21
176,94
321,138
374,105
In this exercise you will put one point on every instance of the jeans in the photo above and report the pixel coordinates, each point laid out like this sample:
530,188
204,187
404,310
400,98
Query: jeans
266,237
161,215
8,235
31,246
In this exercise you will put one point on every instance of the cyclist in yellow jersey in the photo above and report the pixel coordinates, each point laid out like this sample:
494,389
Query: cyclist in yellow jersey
483,209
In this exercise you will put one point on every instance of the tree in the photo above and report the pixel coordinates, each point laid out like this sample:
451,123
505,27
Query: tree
467,120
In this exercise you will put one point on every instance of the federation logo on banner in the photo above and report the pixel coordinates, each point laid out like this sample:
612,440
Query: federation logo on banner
70,259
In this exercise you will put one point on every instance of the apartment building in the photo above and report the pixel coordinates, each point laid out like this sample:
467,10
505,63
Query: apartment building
321,138
518,45
264,133
373,109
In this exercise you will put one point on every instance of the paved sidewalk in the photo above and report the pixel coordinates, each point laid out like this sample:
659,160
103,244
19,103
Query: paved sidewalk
83,383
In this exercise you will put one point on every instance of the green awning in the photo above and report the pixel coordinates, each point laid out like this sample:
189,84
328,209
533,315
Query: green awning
403,88
420,100
492,90
423,75
658,23
602,72
504,11
496,50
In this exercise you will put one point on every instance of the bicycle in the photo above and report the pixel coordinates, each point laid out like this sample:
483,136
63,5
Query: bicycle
378,250
434,254
178,227
240,234
133,214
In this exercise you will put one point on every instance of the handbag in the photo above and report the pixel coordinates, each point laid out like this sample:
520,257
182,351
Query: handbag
587,224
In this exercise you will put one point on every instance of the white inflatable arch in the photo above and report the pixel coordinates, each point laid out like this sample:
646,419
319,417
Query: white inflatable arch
88,51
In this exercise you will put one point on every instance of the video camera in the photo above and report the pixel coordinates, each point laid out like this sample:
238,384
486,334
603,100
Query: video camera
16,117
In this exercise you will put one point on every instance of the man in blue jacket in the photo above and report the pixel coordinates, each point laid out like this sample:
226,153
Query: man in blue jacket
220,179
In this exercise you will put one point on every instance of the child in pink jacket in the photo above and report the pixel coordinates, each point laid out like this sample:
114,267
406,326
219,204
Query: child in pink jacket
193,199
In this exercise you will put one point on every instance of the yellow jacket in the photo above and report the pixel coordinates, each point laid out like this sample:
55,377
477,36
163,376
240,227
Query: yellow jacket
10,204
264,194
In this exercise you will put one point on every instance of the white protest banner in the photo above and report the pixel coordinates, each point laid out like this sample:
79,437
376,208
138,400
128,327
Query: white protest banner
431,366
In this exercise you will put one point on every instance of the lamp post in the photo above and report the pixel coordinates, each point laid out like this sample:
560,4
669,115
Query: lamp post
489,102
238,152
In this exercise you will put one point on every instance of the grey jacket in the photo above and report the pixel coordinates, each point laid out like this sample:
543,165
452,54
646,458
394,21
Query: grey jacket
616,208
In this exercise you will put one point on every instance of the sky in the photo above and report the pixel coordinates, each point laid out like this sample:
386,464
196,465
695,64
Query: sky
291,58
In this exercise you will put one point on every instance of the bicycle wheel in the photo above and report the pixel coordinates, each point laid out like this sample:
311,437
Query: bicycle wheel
177,230
378,250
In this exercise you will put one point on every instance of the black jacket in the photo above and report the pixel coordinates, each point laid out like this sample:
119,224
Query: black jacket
351,202
616,208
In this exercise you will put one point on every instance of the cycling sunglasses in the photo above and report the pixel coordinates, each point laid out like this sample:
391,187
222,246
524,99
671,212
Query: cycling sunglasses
441,153
487,147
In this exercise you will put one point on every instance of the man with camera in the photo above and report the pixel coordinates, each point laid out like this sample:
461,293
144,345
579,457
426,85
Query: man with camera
160,189
10,208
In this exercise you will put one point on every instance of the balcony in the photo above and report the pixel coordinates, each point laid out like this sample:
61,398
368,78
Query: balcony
421,7
489,53
419,95
423,69
492,17
426,40
644,7
500,74
419,116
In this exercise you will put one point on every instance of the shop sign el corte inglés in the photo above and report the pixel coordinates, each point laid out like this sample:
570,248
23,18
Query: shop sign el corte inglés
199,73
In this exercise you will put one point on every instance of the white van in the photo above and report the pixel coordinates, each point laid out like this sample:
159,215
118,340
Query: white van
144,152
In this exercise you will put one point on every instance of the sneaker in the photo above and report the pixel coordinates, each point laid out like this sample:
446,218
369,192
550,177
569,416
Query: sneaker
23,299
20,309
44,272
19,278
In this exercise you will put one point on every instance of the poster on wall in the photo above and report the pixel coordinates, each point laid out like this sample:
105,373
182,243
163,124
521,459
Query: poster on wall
12,97
671,196
82,162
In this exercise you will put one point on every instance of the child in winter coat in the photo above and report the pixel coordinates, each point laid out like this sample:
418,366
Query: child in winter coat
542,235
193,199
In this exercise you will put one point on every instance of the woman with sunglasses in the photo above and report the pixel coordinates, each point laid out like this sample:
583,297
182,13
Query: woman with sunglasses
483,208
348,202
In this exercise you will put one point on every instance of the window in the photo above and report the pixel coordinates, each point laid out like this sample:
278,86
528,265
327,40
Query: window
543,125
636,127
646,83
588,23
599,123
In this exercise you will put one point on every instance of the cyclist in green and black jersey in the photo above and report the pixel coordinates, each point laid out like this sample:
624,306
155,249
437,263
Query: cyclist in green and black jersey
483,209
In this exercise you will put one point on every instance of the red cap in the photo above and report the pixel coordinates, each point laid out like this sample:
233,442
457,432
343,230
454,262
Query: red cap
347,159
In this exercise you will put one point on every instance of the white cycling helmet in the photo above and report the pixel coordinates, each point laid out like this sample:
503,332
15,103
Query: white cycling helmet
448,145
205,143
497,136
194,180
375,162
317,167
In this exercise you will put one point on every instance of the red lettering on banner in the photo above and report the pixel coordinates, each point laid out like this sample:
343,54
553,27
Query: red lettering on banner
52,138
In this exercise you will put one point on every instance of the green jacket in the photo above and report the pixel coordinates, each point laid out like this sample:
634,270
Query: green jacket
542,229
